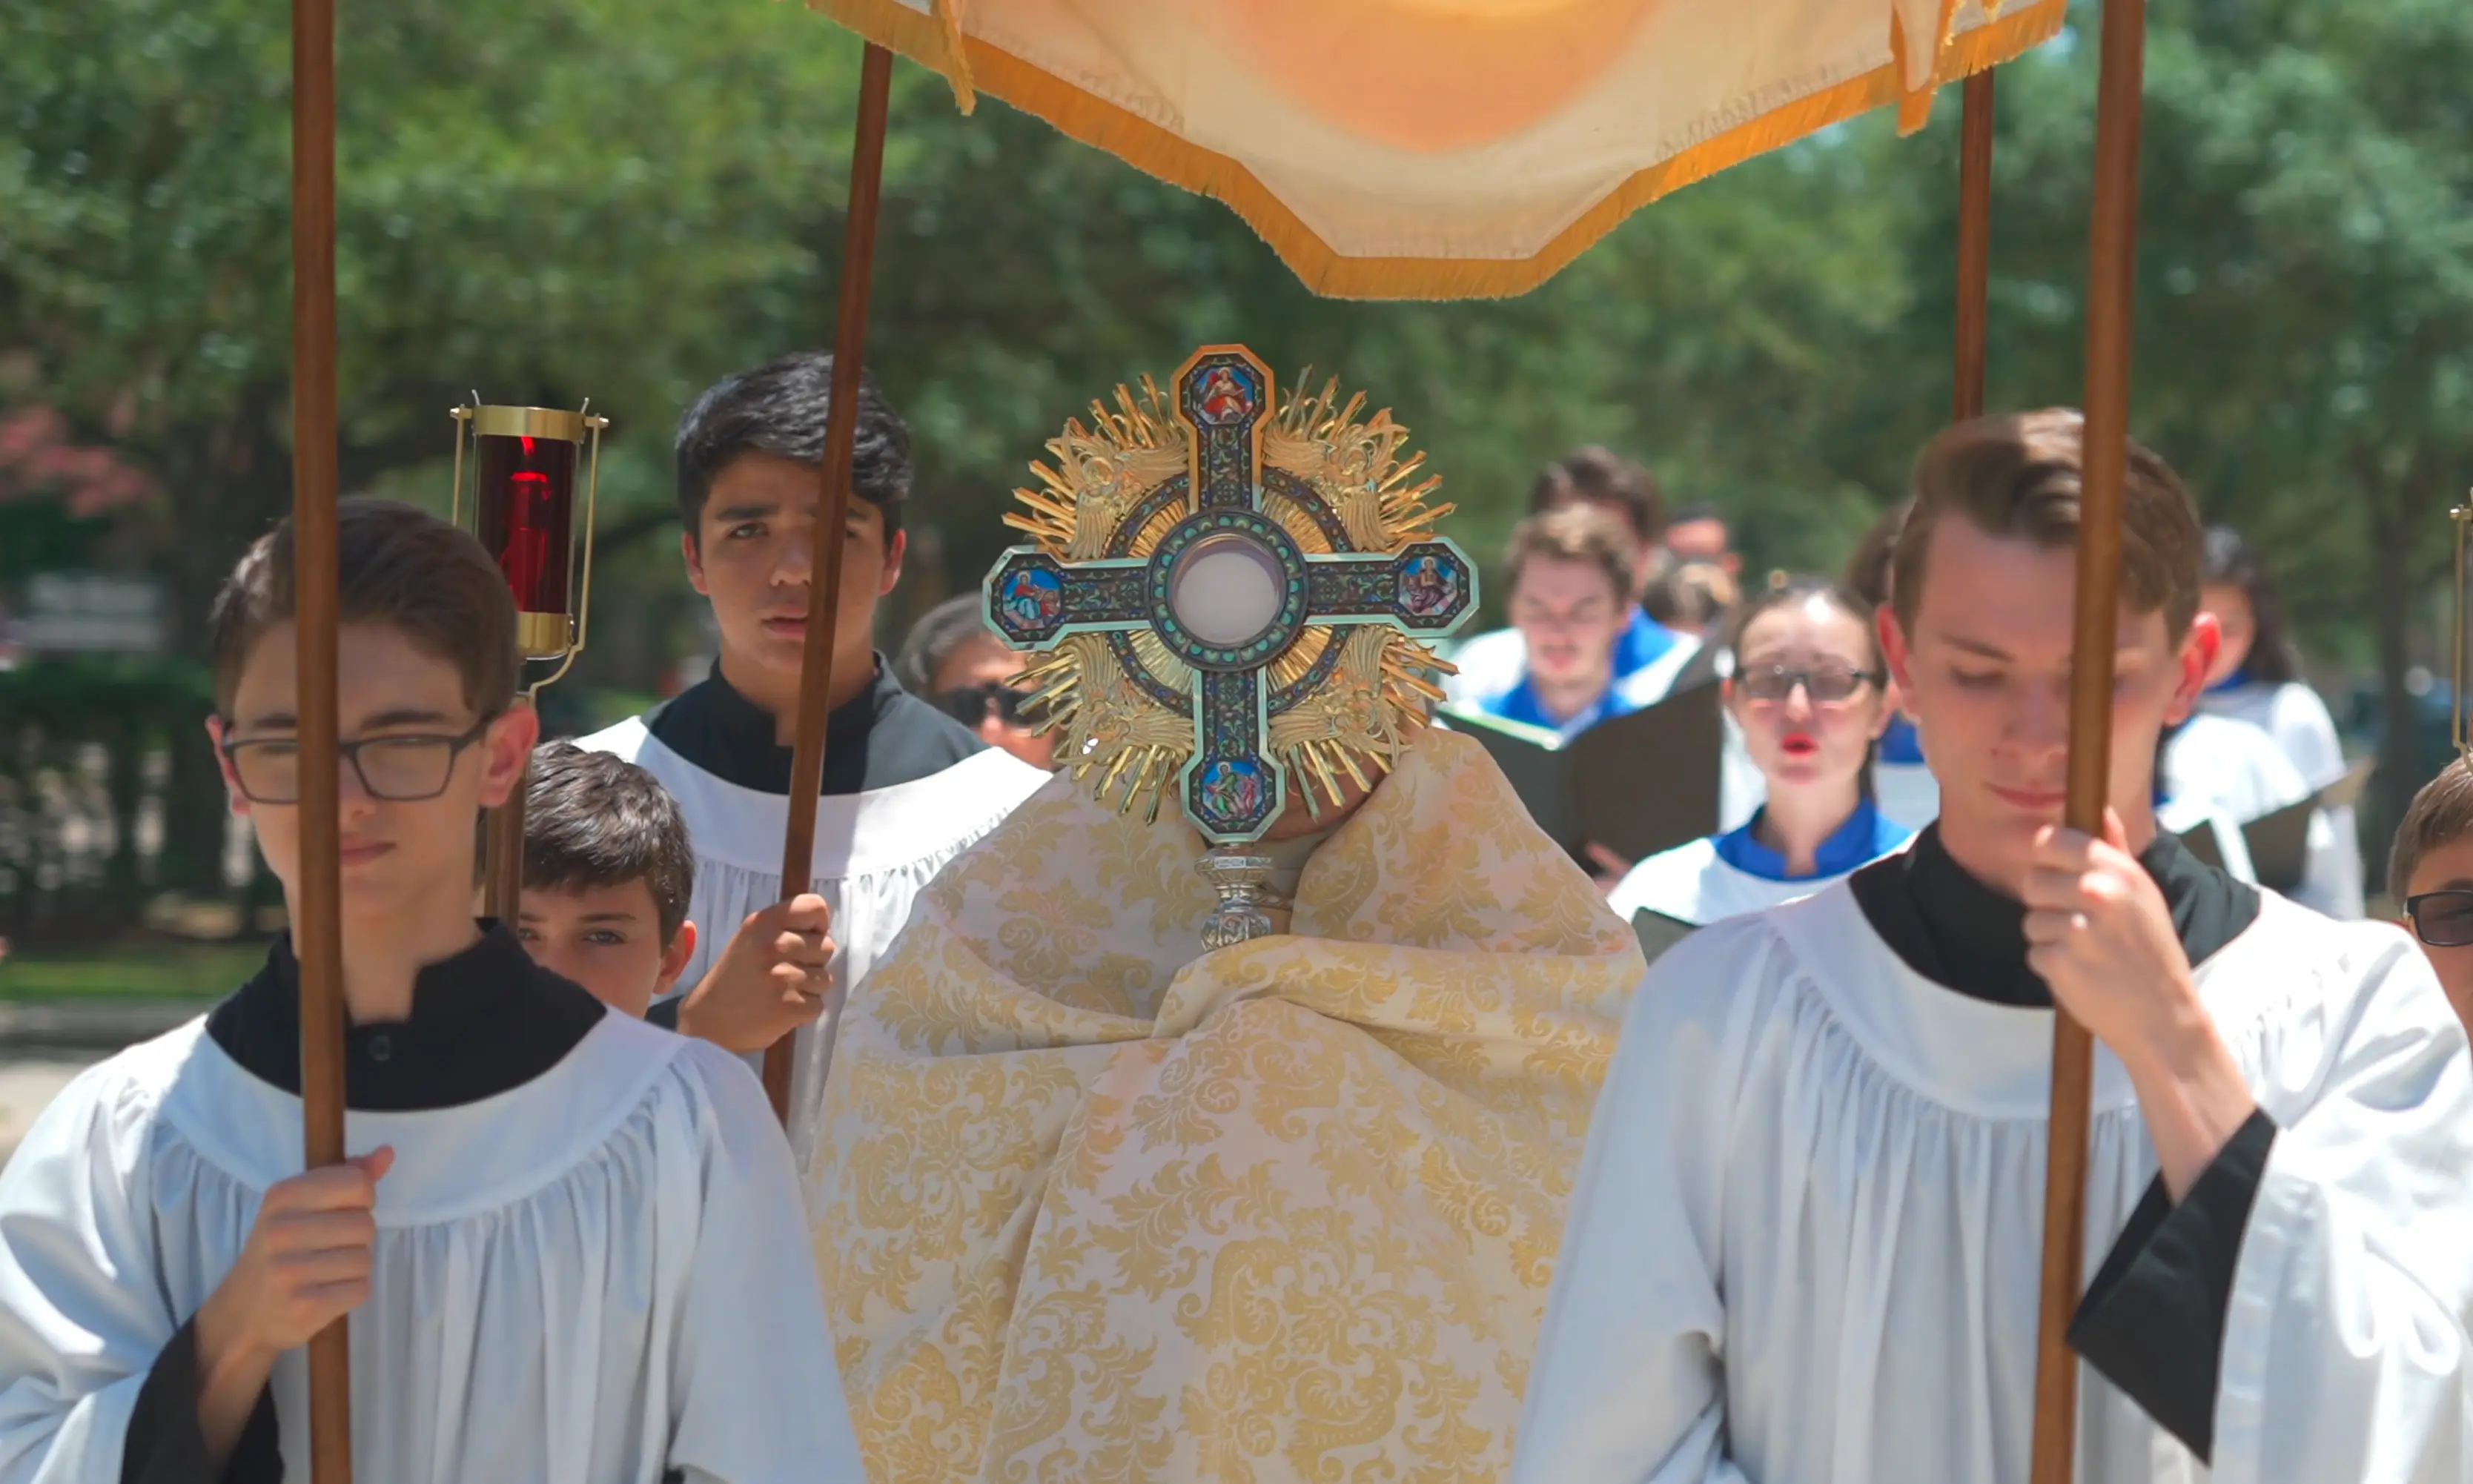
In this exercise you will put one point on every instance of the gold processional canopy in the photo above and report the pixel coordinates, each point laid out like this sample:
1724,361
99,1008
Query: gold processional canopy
1445,149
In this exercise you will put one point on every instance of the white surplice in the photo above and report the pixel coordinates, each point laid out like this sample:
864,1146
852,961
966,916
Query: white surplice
874,851
1693,883
1699,883
1805,1243
2299,722
2238,769
599,1276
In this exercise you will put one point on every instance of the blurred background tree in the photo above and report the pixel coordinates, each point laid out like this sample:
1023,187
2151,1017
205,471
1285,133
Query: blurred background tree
626,199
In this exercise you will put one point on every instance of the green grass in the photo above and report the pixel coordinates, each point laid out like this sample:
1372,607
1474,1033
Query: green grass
202,971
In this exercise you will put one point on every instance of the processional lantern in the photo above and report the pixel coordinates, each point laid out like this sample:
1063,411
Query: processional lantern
1228,594
524,462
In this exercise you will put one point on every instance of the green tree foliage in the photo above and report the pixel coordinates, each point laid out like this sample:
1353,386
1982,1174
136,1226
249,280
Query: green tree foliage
2305,293
625,198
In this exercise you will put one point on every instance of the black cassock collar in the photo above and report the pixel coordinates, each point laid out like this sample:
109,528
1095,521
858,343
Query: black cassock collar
882,737
484,1021
1963,935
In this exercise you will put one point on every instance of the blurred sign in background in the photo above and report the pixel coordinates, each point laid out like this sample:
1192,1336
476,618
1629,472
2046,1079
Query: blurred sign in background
89,613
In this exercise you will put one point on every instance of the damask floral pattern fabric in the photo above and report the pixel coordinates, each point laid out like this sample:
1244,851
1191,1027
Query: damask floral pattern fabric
1095,1204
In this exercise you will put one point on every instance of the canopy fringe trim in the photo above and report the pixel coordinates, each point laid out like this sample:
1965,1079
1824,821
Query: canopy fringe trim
971,66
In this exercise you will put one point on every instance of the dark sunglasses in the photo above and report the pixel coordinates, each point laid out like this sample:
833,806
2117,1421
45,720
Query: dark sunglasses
970,704
2443,919
1825,685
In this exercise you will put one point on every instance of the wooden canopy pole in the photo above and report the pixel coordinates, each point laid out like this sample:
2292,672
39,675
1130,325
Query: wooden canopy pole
317,934
832,507
2112,261
502,857
1974,247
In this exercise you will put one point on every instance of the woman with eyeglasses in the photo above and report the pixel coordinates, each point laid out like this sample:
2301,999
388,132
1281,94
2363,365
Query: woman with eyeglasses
2431,872
1808,695
953,660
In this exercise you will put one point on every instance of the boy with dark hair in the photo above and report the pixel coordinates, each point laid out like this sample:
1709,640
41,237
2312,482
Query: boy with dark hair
2431,872
1805,1241
1649,655
1700,533
608,871
572,1246
905,788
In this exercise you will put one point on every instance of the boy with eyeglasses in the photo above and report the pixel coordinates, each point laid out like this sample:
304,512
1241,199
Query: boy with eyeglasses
570,1245
2431,872
905,788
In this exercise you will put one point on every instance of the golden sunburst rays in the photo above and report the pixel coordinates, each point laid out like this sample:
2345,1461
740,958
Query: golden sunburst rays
1107,724
1115,733
1101,472
1358,722
1356,463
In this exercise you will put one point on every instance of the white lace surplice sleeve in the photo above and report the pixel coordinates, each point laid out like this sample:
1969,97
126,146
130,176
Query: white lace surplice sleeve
1628,1386
2345,1354
83,1314
758,1395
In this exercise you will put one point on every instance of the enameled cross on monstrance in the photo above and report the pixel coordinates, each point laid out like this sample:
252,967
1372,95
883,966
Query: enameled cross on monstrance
1228,589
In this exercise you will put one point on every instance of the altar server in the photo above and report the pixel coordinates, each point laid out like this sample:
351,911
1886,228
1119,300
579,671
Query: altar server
905,787
1805,1243
570,1245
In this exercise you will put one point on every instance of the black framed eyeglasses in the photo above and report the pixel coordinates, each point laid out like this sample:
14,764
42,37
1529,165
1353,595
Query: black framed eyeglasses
1825,685
2443,919
970,704
398,769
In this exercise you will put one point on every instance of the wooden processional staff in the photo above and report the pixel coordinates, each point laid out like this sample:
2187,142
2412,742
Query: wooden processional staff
825,570
1974,247
317,934
2112,260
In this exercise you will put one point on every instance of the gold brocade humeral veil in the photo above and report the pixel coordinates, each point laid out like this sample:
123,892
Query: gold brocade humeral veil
1096,1205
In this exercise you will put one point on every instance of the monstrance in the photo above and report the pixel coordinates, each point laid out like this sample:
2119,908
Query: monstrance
1229,594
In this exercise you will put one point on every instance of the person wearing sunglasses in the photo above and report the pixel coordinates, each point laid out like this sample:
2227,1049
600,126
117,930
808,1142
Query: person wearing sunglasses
2431,872
967,672
1809,698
